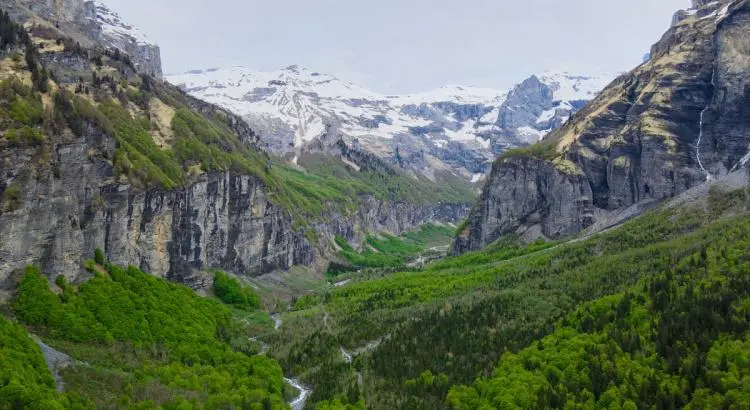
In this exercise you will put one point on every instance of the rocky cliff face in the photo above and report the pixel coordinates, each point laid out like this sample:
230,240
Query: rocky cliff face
531,198
72,205
539,105
224,220
678,119
92,24
106,27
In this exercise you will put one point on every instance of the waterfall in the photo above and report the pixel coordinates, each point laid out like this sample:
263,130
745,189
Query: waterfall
700,131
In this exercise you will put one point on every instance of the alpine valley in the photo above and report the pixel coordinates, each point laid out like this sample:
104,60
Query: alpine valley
234,239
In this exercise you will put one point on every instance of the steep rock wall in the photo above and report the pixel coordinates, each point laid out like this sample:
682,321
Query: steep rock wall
93,25
670,124
223,220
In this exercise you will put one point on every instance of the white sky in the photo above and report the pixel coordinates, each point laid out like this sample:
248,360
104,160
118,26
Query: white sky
396,46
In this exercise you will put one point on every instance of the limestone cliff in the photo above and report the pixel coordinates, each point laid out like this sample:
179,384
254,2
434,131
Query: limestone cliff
92,24
679,118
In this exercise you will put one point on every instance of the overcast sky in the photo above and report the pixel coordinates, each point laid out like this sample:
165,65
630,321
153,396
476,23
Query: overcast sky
398,46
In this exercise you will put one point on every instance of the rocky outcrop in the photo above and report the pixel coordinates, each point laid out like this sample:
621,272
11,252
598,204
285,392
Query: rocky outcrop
525,103
61,196
72,205
106,27
223,220
539,105
678,119
92,24
528,197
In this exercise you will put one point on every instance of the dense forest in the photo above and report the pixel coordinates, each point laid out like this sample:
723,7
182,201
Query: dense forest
139,341
676,339
430,241
459,319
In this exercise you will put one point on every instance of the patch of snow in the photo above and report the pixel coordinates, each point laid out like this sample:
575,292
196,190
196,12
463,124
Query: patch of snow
114,26
485,143
454,93
570,87
464,134
724,12
546,115
303,100
531,135
476,177
742,162
350,163
440,143
300,103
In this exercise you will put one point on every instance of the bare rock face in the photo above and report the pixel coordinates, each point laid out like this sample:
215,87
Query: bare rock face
525,103
547,201
224,220
107,27
678,119
93,24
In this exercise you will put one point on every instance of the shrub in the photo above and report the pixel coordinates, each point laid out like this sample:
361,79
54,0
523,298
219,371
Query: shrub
24,136
541,150
27,111
35,304
99,257
12,197
150,343
231,292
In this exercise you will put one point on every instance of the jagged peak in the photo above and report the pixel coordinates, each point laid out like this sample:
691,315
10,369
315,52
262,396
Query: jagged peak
568,86
114,25
705,10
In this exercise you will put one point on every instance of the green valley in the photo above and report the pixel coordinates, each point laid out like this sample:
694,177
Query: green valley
236,239
421,334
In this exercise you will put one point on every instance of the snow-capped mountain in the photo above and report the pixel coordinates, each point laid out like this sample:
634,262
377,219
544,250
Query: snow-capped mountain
114,26
454,128
116,32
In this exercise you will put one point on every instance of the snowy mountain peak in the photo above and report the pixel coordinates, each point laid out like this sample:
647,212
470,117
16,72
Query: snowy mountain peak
456,128
113,25
568,86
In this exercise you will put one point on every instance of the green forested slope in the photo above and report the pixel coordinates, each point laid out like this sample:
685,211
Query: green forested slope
678,338
453,322
25,381
142,342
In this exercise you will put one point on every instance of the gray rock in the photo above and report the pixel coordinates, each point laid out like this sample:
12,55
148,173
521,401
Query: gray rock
87,21
56,361
222,220
527,194
525,104
667,126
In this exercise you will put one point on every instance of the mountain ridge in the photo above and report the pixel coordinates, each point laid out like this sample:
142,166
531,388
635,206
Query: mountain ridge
93,24
670,124
461,127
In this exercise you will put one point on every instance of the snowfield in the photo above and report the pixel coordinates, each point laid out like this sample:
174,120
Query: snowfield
456,124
